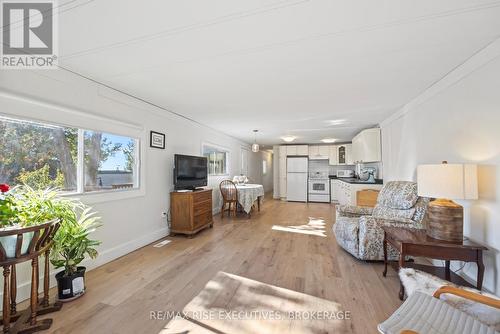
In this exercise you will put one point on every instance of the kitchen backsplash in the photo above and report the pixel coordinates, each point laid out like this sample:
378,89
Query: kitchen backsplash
333,169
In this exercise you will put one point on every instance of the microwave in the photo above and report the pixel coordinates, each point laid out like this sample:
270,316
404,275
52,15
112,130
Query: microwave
345,173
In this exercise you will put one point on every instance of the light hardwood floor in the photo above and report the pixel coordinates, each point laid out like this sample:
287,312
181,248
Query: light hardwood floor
296,255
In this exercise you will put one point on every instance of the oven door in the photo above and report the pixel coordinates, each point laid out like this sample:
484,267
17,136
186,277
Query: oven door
319,187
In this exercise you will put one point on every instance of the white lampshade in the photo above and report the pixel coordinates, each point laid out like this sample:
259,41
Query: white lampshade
449,181
255,148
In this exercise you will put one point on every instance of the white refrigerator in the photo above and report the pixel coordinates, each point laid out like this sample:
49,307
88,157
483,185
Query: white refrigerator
296,179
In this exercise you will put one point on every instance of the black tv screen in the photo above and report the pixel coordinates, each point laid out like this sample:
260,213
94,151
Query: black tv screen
190,172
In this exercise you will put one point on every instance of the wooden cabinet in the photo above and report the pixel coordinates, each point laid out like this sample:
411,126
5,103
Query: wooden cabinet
367,146
191,211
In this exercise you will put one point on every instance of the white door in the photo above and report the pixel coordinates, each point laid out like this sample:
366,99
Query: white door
244,161
297,165
296,187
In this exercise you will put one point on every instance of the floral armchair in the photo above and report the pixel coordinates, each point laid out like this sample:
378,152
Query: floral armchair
357,229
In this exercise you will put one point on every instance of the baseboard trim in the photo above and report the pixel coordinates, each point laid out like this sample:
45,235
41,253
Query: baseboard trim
106,256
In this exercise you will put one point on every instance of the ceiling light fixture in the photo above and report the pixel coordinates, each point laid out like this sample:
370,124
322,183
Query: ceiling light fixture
255,146
328,140
288,139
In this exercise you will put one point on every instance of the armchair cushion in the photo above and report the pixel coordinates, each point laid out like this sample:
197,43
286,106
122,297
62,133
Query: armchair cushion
381,212
418,281
353,211
400,195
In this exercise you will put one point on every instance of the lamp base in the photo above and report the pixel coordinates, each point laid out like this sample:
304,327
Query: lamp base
445,220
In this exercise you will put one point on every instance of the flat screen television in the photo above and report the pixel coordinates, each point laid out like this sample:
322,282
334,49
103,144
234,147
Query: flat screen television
190,172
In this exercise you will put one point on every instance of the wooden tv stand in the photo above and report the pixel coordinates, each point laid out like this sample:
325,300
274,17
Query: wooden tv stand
190,211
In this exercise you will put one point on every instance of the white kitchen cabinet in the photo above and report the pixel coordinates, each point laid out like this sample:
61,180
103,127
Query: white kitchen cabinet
317,152
367,146
324,150
302,150
332,156
282,171
346,193
333,190
344,154
313,151
291,150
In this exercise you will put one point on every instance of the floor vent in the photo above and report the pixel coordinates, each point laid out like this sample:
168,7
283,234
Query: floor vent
162,243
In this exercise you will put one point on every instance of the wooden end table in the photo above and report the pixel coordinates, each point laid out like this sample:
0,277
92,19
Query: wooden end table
415,242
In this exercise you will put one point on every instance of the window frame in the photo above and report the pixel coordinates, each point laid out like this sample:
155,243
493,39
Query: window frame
99,195
221,149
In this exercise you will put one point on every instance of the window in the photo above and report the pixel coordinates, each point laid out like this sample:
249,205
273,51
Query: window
217,160
42,155
110,161
264,167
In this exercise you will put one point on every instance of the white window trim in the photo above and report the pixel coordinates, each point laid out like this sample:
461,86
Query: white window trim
103,195
228,158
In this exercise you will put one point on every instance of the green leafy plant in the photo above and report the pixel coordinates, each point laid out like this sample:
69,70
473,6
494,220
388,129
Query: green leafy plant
72,242
6,210
28,206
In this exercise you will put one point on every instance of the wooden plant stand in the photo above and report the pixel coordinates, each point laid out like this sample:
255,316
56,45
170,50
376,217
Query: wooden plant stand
26,321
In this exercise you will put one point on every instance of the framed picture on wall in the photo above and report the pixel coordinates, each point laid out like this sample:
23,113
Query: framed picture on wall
157,140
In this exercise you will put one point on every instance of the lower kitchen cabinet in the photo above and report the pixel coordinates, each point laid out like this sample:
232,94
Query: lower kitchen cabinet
345,193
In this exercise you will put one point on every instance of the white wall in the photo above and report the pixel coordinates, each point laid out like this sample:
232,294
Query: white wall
131,220
458,120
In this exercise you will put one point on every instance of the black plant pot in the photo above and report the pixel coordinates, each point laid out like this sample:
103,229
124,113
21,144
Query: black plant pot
71,287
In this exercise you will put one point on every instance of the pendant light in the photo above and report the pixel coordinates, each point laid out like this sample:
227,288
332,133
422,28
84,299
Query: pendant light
255,146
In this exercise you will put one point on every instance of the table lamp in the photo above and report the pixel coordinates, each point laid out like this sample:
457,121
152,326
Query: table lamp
446,182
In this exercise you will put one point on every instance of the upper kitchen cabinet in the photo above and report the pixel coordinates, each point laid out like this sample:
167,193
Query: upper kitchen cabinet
291,150
302,150
332,157
366,146
317,152
344,154
297,150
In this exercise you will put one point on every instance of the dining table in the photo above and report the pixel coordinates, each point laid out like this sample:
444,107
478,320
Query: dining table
248,194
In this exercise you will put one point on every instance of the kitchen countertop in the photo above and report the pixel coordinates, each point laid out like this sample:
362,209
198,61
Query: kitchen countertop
353,180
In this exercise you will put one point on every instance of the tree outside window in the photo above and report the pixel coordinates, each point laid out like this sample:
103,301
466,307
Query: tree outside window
43,155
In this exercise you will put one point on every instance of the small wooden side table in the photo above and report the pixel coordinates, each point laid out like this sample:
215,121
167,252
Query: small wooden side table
415,242
24,322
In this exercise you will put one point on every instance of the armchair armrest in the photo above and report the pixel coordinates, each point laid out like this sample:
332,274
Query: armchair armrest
476,297
353,211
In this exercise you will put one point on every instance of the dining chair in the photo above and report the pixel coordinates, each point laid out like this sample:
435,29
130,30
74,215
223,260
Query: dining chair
229,196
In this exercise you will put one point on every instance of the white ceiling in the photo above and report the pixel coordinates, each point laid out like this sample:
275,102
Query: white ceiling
313,69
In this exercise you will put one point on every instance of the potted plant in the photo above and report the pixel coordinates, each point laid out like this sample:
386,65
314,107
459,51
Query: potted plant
25,206
71,245
8,221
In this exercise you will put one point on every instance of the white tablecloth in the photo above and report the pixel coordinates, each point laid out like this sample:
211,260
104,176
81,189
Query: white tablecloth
248,194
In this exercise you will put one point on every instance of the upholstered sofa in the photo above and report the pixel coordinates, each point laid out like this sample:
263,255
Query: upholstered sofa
357,229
